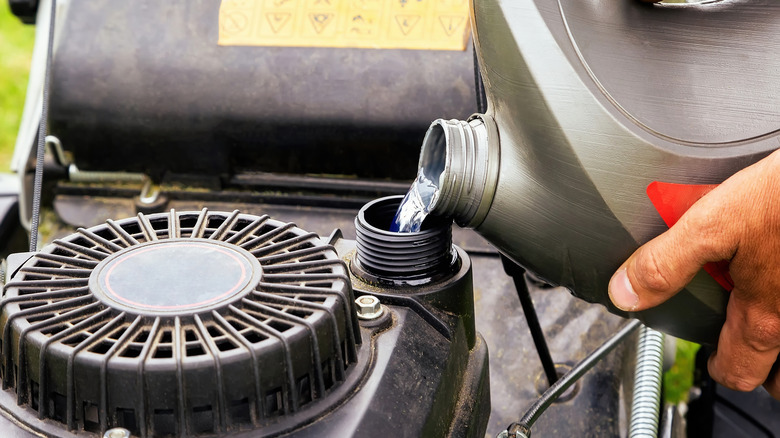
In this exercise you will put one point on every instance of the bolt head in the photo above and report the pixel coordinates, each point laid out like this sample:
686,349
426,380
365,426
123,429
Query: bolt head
369,307
117,432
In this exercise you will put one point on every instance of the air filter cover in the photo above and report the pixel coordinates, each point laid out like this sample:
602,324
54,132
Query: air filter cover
182,323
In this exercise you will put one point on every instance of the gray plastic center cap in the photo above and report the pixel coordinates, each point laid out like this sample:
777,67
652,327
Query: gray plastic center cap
176,276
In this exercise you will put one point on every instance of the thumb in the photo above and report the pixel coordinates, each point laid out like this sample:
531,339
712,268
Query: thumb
662,267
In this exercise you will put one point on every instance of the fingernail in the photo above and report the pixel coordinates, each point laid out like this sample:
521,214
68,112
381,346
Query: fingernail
622,293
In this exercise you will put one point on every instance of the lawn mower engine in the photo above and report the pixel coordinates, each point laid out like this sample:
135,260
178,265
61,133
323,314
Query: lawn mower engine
204,323
217,258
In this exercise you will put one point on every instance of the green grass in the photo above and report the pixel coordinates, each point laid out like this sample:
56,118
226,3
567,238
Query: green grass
16,43
678,380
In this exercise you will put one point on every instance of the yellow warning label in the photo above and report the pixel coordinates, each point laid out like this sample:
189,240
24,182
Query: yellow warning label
370,24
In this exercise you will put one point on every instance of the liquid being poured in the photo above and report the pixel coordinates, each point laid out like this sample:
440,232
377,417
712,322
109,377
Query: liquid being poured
416,205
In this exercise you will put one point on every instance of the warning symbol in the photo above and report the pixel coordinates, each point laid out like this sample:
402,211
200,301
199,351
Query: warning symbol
451,23
407,22
368,24
319,21
362,25
234,22
277,20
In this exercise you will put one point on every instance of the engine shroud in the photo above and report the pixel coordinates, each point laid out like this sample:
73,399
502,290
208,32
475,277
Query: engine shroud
179,323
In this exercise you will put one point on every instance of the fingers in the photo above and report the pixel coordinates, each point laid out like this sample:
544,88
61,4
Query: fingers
747,348
651,275
739,222
772,383
662,267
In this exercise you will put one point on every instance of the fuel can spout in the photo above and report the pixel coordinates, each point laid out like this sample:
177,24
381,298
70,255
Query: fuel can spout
462,159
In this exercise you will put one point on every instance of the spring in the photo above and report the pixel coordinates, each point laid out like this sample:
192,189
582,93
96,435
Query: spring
647,384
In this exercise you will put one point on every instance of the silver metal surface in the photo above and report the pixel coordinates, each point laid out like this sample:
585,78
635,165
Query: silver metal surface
468,177
77,175
150,193
593,101
672,423
648,379
505,434
55,146
369,307
117,432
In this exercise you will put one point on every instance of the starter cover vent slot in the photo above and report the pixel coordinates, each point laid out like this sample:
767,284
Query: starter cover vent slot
178,324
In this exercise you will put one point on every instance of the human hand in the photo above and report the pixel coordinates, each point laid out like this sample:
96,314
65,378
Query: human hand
738,221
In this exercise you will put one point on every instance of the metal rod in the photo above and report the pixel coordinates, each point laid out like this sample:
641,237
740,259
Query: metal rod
518,276
38,179
523,427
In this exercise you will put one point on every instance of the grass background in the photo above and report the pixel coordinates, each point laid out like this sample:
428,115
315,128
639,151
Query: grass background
679,379
16,43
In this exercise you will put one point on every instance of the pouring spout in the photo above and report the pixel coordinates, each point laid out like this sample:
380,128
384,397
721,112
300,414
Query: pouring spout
462,158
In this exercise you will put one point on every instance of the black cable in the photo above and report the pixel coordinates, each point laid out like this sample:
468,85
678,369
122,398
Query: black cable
553,392
537,334
38,179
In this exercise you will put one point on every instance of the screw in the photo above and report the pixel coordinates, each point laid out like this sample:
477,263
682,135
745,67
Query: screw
368,307
117,432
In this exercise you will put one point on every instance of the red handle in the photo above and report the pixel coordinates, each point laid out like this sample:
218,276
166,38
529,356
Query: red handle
672,201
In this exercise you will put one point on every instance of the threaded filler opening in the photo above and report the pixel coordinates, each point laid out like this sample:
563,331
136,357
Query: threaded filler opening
412,258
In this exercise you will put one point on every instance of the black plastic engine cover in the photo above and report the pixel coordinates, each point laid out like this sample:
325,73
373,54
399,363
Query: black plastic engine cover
211,323
143,86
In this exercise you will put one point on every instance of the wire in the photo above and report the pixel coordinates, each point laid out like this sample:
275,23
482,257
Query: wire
38,179
523,427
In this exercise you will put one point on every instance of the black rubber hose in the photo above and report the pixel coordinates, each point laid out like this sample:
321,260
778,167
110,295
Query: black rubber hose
38,179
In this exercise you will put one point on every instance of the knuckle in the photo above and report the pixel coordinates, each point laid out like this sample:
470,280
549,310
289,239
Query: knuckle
763,334
733,377
650,273
738,383
709,234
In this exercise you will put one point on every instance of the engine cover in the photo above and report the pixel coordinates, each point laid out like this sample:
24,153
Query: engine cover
208,323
